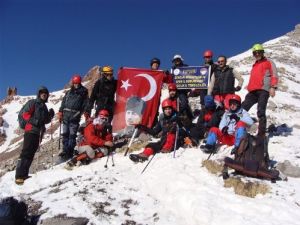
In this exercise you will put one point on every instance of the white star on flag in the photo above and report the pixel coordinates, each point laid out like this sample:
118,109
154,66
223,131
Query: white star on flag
125,84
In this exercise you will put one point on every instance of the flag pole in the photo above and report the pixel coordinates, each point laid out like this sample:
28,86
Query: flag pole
131,140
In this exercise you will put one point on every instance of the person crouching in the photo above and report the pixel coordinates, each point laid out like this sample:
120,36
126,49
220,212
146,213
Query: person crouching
167,124
97,140
232,127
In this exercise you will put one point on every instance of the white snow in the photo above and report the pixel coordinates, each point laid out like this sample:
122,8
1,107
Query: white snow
171,190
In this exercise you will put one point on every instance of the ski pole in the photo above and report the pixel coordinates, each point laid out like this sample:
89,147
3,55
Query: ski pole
59,136
38,150
105,166
131,140
175,144
51,133
112,158
177,130
148,164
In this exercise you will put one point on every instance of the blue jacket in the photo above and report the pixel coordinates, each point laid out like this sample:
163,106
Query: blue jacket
241,113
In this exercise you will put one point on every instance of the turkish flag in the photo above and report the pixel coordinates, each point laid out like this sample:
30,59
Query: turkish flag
137,98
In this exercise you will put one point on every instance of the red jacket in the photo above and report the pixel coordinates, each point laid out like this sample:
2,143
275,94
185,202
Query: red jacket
95,136
263,75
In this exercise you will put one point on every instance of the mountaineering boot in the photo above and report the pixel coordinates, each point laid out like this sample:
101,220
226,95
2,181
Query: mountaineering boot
70,164
22,170
138,158
207,148
19,181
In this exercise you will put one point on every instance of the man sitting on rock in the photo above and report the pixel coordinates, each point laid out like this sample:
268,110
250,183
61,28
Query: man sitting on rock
97,140
232,127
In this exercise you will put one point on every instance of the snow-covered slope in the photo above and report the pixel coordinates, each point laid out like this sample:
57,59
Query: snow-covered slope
176,190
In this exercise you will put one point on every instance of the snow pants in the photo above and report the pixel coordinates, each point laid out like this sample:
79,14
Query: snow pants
215,134
261,98
69,136
30,146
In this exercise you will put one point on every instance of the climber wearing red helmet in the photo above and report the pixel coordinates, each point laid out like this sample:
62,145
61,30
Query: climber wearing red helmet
167,124
232,127
97,140
72,107
208,61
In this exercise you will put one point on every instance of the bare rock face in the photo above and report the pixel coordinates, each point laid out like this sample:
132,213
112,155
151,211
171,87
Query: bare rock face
89,78
64,220
288,169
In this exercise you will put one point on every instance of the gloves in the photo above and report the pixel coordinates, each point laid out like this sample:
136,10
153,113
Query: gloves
86,115
238,88
59,116
234,117
51,113
188,141
225,130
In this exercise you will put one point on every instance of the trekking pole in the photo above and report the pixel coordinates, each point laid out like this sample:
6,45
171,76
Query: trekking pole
177,130
148,163
112,158
105,166
38,150
59,136
176,137
51,134
131,140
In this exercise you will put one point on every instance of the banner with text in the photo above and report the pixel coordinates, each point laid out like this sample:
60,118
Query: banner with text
191,77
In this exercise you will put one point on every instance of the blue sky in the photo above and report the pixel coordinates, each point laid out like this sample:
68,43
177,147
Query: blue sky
44,42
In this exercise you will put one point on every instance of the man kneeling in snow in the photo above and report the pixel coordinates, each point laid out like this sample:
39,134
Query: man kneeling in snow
167,124
232,127
97,139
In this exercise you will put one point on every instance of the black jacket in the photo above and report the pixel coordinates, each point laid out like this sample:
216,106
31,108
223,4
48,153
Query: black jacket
224,81
103,94
74,103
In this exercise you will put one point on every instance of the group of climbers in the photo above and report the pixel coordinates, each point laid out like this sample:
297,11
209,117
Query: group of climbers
223,117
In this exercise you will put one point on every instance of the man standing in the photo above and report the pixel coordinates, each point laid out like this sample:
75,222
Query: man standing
222,81
73,105
103,93
208,61
35,114
262,84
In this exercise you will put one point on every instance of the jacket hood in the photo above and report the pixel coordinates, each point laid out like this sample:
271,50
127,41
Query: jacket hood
43,89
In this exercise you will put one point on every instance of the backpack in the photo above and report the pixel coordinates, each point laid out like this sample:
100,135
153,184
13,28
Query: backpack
22,122
252,158
13,212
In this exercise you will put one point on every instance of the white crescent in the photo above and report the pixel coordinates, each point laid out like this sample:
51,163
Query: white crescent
153,86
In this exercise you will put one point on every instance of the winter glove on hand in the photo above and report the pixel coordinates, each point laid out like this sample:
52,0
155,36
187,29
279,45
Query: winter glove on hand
51,113
188,141
59,116
238,88
225,130
234,117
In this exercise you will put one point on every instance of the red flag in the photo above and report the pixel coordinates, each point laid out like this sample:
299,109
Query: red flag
137,98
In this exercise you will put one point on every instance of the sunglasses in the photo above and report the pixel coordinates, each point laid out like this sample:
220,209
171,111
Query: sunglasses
221,61
207,57
257,52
